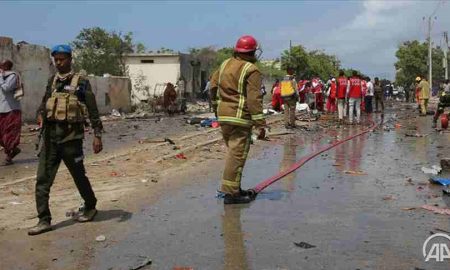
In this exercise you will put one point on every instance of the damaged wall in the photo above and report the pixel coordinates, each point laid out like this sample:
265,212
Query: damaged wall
150,73
112,93
34,64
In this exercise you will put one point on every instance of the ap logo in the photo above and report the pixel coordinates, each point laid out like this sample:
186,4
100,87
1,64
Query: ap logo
437,249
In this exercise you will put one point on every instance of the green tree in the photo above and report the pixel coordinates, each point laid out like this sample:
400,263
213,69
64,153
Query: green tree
310,64
296,58
322,65
222,55
412,58
165,50
139,48
98,51
270,70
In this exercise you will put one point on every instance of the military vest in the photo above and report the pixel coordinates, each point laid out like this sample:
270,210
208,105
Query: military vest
64,106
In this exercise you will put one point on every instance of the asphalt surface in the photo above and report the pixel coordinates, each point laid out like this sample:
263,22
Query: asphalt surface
342,210
357,206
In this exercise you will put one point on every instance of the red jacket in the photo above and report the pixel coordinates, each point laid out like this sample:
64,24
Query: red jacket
333,90
355,88
341,87
364,87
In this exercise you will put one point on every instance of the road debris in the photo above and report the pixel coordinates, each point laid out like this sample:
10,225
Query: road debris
15,203
435,170
417,135
304,245
445,164
440,181
409,208
351,172
388,198
437,210
156,141
180,156
141,265
100,238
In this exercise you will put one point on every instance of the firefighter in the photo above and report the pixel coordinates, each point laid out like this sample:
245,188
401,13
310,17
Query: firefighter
235,88
424,95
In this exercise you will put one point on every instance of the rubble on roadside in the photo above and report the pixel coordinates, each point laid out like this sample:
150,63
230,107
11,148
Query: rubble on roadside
197,106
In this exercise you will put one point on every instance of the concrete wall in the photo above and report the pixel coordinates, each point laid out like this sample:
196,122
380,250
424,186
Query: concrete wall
34,64
164,69
187,72
112,93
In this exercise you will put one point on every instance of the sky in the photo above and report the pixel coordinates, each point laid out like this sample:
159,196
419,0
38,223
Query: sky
363,34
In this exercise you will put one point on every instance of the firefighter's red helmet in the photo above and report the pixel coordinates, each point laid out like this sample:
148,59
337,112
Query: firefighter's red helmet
246,44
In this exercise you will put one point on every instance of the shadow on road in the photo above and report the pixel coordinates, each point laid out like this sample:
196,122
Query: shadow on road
102,215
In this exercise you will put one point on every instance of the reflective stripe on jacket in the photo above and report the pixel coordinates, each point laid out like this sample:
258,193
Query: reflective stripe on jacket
236,89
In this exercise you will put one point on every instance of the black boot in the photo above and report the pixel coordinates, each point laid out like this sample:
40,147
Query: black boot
248,192
237,199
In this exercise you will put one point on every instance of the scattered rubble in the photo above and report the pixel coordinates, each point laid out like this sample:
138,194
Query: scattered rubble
141,265
440,181
304,245
445,164
355,172
437,210
435,170
198,106
100,238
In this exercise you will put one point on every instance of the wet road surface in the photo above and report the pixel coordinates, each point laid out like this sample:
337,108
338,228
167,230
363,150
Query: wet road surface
348,203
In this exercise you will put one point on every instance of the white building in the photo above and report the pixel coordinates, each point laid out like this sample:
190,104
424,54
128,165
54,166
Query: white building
150,72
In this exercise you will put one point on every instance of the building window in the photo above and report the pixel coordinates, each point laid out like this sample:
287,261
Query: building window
147,61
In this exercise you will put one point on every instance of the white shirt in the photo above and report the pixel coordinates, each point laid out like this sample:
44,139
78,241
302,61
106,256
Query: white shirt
370,90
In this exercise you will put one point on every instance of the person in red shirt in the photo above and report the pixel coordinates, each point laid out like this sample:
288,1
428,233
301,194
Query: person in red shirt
331,100
341,94
277,101
364,92
301,88
355,95
317,90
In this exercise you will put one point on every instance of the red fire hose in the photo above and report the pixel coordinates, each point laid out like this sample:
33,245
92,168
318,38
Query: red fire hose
258,188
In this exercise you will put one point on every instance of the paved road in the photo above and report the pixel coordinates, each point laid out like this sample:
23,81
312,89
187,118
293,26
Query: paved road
354,221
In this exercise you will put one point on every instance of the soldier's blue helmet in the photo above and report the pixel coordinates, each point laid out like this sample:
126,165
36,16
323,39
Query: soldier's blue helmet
63,48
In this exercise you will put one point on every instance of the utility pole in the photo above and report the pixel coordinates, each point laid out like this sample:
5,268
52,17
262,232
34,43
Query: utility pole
290,53
445,64
430,61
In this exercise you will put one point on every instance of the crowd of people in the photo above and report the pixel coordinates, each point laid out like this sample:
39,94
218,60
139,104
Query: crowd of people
342,95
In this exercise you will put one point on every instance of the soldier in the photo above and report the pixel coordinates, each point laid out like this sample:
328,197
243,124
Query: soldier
67,102
235,87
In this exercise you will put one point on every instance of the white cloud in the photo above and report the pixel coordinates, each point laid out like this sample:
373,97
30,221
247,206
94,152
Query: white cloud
368,39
